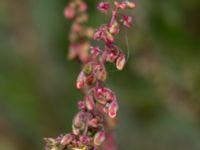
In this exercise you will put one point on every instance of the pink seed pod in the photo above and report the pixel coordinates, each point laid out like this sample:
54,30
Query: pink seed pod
81,105
114,28
89,102
95,51
112,109
108,38
120,62
99,107
84,139
111,56
99,34
103,7
80,83
100,72
99,138
130,4
109,95
99,96
121,5
79,121
127,21
91,79
69,12
75,130
66,139
102,75
93,122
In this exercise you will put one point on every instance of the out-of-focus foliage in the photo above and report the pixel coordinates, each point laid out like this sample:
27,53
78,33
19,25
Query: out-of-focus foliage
159,90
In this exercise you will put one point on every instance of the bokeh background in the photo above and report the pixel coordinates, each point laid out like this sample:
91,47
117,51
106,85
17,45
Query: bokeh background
158,91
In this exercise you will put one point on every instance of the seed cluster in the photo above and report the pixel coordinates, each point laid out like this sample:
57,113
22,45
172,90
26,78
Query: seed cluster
98,109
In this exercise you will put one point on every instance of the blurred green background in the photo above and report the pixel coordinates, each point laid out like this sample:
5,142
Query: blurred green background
158,91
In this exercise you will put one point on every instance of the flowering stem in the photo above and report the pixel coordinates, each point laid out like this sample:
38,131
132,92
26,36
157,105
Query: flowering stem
98,109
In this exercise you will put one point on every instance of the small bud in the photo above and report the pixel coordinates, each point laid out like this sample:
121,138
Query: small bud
120,62
82,18
103,6
89,32
89,102
72,52
112,109
83,7
80,83
76,27
69,12
99,138
83,51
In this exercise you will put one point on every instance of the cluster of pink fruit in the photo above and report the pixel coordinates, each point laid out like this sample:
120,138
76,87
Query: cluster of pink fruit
98,109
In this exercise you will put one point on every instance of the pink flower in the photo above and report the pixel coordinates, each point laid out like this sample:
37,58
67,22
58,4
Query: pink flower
99,138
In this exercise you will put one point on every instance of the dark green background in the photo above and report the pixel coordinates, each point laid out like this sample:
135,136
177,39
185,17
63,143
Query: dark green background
158,91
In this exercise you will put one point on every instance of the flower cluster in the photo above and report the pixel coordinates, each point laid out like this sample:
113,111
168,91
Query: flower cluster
79,34
98,109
